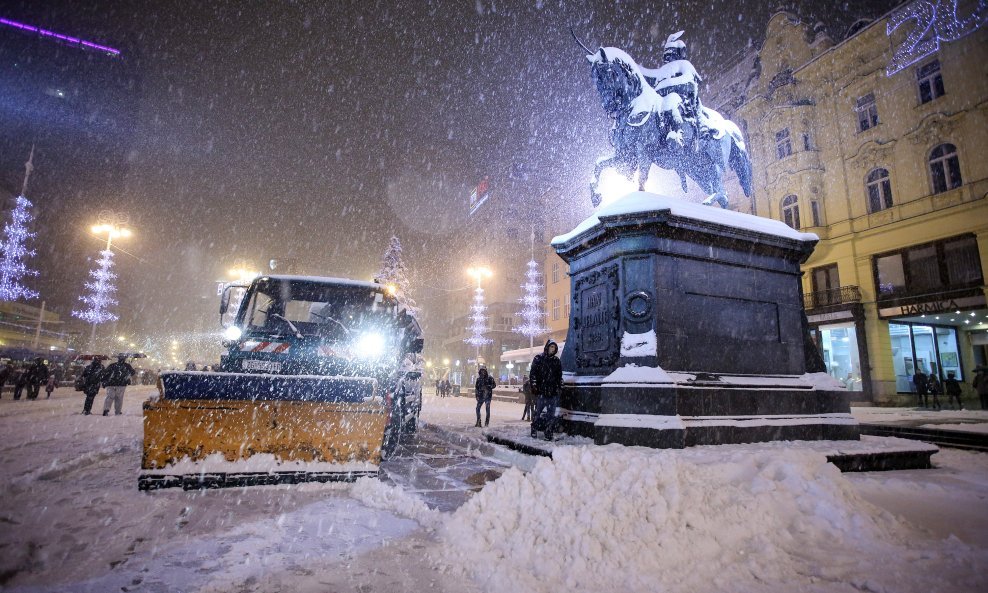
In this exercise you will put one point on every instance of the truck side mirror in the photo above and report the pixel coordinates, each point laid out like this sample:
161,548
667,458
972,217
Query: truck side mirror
416,346
224,304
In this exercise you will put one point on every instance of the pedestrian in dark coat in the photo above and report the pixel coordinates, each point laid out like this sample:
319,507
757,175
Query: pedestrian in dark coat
484,390
547,385
935,389
526,388
20,381
921,384
953,389
37,376
92,377
981,386
6,374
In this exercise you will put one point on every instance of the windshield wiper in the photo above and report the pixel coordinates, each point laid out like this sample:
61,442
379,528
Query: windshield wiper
298,334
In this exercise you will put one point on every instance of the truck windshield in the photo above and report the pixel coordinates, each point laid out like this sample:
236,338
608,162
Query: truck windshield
329,310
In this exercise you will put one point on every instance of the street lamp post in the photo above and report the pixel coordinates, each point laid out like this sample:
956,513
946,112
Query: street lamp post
114,224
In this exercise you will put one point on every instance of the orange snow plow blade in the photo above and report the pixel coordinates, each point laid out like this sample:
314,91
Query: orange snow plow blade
302,441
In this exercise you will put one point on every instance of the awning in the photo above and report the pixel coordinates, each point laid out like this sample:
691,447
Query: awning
525,355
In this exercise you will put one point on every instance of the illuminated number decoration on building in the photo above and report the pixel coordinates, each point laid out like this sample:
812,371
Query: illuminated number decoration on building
933,21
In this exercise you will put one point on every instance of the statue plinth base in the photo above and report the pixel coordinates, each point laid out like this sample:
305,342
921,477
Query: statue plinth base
687,328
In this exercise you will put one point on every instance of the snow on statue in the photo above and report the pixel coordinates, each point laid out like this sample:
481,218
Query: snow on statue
658,118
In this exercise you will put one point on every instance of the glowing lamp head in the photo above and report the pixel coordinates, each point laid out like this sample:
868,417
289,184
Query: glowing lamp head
232,333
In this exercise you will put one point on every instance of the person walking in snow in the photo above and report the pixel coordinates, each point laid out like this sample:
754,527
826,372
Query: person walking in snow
921,385
50,386
484,390
981,385
91,378
20,381
116,378
37,376
547,385
5,374
935,389
526,388
953,389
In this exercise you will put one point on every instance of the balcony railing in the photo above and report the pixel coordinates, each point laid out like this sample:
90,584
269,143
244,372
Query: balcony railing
842,295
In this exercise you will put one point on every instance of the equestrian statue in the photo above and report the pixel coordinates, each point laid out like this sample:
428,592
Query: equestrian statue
659,119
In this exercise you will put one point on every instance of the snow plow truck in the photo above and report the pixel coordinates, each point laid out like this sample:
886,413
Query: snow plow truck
320,378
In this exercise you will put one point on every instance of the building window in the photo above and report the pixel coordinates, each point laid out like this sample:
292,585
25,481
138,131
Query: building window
783,144
790,211
945,169
927,349
555,272
867,112
815,212
825,278
930,81
555,309
932,267
566,309
879,188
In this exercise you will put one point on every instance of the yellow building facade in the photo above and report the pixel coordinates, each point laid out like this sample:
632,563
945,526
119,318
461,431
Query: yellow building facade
883,153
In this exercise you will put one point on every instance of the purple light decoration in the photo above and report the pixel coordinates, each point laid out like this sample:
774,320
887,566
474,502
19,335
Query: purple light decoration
66,38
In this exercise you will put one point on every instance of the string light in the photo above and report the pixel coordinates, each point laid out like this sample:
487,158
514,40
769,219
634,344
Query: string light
478,321
532,316
101,289
14,251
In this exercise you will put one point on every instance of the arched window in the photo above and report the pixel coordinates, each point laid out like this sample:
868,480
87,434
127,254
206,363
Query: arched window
879,190
790,211
945,169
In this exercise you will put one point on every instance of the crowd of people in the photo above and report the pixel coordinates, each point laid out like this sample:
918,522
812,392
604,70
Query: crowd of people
929,388
28,379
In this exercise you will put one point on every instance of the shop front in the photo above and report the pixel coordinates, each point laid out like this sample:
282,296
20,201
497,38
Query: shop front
934,339
840,339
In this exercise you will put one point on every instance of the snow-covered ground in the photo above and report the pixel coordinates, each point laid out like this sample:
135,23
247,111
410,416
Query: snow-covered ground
737,518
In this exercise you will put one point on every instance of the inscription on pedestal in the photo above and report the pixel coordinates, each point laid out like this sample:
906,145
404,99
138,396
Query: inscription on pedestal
596,318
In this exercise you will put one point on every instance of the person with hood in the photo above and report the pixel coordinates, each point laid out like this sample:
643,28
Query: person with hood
37,376
484,389
921,382
116,378
91,378
20,381
546,378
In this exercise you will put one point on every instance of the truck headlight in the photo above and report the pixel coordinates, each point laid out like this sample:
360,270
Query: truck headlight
369,346
232,333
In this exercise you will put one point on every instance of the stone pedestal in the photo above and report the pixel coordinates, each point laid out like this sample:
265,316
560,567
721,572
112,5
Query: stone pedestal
687,328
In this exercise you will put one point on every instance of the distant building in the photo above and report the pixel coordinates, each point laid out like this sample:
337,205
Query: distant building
19,326
881,154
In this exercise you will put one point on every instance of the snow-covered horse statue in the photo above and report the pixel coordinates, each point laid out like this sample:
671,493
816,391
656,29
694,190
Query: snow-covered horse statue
658,118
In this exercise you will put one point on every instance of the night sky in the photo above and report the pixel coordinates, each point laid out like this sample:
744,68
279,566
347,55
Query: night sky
316,130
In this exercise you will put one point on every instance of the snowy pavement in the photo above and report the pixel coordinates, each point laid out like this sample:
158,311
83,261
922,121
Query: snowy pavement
737,518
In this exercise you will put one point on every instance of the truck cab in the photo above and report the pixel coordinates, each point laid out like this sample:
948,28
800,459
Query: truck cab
317,326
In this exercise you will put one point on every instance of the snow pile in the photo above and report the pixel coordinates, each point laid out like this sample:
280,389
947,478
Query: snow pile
965,427
378,495
632,373
706,519
641,201
645,344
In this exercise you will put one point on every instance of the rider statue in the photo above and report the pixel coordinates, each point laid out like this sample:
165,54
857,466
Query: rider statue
677,75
